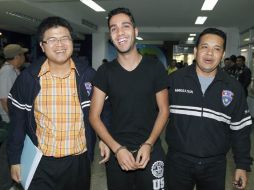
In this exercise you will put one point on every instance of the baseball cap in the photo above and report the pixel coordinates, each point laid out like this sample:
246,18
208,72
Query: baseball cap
11,50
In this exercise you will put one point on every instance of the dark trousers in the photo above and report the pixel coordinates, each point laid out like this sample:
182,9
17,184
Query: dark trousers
5,175
183,172
150,178
71,172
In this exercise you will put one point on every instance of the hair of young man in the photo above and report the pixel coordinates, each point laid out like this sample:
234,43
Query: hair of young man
214,31
241,57
52,22
121,10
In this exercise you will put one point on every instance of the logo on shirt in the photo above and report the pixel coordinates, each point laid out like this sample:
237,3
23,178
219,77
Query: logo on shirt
88,87
227,97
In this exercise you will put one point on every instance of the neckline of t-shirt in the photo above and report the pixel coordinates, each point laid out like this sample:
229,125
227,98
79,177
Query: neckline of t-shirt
137,68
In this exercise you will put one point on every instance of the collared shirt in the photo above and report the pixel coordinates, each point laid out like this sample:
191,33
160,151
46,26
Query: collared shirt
59,118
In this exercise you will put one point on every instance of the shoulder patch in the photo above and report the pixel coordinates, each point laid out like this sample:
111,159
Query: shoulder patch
88,87
227,97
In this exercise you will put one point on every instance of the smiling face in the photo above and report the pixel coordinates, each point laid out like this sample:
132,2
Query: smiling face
209,54
61,50
122,33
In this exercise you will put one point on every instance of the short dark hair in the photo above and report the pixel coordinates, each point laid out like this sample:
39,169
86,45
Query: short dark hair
233,58
119,11
213,31
52,22
241,57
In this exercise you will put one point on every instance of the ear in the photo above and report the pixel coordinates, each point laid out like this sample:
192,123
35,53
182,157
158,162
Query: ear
136,32
195,52
223,55
42,48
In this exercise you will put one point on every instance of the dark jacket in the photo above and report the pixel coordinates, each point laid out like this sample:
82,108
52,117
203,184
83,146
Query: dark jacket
21,107
244,77
207,125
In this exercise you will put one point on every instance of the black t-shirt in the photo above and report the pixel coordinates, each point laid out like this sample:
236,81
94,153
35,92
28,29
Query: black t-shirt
133,98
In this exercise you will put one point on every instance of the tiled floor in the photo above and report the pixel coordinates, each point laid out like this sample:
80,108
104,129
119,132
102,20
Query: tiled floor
99,179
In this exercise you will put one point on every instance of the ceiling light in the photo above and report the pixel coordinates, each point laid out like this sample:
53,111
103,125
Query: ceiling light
190,39
1,33
244,50
93,5
209,5
200,19
246,39
23,16
192,34
139,38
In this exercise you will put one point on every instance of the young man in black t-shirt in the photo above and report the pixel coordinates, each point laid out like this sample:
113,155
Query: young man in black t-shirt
137,89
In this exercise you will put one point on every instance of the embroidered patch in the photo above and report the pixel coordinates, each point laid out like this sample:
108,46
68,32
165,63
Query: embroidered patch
158,169
88,86
227,97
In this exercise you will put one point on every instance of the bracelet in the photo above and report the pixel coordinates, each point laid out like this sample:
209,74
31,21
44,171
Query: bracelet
118,149
146,143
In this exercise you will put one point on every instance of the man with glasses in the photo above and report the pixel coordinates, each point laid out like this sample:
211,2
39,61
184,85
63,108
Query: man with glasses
50,103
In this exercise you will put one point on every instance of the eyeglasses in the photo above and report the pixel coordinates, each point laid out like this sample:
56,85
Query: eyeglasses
54,41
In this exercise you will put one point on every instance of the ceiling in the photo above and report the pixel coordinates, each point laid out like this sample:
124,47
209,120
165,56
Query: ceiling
155,16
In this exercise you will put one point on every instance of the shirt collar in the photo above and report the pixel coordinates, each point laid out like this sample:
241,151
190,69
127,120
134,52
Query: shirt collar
45,67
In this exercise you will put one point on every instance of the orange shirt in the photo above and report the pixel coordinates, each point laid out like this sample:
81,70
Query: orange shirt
58,115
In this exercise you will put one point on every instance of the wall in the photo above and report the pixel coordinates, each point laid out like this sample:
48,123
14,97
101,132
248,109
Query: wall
99,48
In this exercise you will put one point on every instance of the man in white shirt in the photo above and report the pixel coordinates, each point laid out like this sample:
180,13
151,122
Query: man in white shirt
14,55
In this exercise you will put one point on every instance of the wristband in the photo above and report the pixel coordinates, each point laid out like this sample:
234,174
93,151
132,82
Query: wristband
118,149
148,144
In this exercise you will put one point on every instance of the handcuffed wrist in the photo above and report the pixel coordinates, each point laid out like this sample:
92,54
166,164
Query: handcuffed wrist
118,149
148,144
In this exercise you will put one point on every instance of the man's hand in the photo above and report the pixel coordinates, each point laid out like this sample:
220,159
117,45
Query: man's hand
126,160
15,173
105,152
143,155
240,180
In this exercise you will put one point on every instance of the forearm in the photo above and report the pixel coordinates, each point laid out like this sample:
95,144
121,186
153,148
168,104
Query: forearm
162,117
4,104
103,133
241,148
159,125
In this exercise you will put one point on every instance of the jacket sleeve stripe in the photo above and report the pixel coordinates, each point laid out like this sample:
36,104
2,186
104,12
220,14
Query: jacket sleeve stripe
86,102
19,105
241,124
238,127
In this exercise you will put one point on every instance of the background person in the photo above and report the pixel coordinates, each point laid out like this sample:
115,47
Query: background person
14,59
243,73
